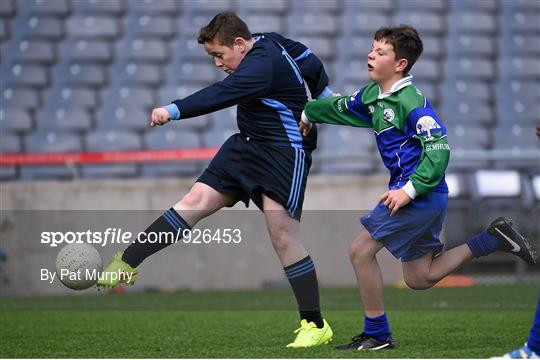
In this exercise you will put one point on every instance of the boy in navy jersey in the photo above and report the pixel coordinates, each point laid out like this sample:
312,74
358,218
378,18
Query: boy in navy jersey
267,161
408,219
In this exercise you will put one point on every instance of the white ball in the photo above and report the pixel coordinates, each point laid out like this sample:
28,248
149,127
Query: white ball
78,265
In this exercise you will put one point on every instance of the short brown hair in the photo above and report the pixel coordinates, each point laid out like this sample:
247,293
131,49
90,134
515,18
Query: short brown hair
405,40
225,27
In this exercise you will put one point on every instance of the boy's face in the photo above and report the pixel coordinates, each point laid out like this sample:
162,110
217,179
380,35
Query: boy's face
382,62
226,58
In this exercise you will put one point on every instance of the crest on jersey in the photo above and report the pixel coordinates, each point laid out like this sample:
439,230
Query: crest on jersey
388,115
425,124
371,109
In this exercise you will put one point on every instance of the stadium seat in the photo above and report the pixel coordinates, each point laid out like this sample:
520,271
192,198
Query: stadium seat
17,75
429,90
225,119
118,117
111,140
314,24
468,144
511,43
462,89
30,51
520,67
96,27
171,138
130,73
472,22
381,6
466,111
191,72
34,27
100,7
425,22
80,74
20,98
87,51
464,6
63,119
51,142
15,119
7,9
518,146
517,89
57,8
169,93
324,48
433,47
186,48
352,70
426,69
262,22
66,96
471,45
469,68
129,96
521,5
147,26
216,137
141,50
521,20
522,111
4,31
359,22
328,6
355,46
345,150
416,5
154,7
9,143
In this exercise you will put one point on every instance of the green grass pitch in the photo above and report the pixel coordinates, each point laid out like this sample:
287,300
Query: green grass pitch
474,322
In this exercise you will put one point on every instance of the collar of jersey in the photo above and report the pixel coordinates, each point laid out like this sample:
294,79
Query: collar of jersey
398,85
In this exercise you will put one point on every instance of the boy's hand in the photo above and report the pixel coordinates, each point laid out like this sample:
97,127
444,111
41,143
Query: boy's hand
305,128
395,199
160,116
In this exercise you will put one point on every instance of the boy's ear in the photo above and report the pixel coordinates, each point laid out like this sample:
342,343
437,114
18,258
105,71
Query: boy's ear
241,43
401,65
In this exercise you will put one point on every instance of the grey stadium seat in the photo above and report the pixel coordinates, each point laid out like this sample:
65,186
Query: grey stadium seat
518,111
278,7
192,22
20,98
31,51
415,5
4,31
382,6
34,27
129,96
100,7
425,22
118,117
520,144
225,119
111,140
472,23
466,110
15,119
151,26
522,20
57,8
426,70
464,139
360,22
165,7
521,5
329,6
471,45
263,22
511,43
518,89
312,23
137,49
469,68
171,138
9,143
67,96
429,90
216,137
96,27
87,50
187,48
203,73
131,73
17,74
50,142
8,8
63,118
80,74
520,67
462,89
464,6
324,48
433,47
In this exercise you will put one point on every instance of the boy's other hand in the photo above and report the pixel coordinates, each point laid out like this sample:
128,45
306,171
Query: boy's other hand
395,199
305,128
160,116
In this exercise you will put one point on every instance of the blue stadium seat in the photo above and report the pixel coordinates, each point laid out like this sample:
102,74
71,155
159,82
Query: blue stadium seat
142,50
111,140
520,67
7,9
15,119
51,142
63,119
130,96
364,23
86,51
96,27
80,74
191,72
469,68
35,76
100,7
34,27
425,22
156,26
9,143
511,43
520,146
328,6
67,96
118,117
466,110
277,7
263,22
439,6
309,23
171,138
57,8
426,69
467,45
346,150
31,51
20,98
518,111
153,7
469,144
472,23
324,48
521,20
130,73
462,89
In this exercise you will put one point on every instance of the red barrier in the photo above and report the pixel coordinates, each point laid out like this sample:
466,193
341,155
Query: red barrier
107,157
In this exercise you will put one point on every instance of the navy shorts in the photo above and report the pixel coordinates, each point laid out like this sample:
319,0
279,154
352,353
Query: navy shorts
247,169
414,230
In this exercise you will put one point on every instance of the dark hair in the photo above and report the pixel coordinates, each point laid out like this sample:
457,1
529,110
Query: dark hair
405,40
225,27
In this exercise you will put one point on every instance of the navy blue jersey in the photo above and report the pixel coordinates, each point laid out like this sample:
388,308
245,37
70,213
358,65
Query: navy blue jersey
269,88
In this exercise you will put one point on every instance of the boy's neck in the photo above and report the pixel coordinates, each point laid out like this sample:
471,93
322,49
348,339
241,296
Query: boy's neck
386,86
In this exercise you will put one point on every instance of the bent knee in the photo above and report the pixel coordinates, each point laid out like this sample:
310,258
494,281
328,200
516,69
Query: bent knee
418,283
194,199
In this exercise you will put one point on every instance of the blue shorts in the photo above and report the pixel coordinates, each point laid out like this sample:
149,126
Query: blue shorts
414,230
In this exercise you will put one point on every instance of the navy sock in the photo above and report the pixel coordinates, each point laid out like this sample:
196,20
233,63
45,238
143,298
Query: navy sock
303,280
534,336
377,327
169,223
483,244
